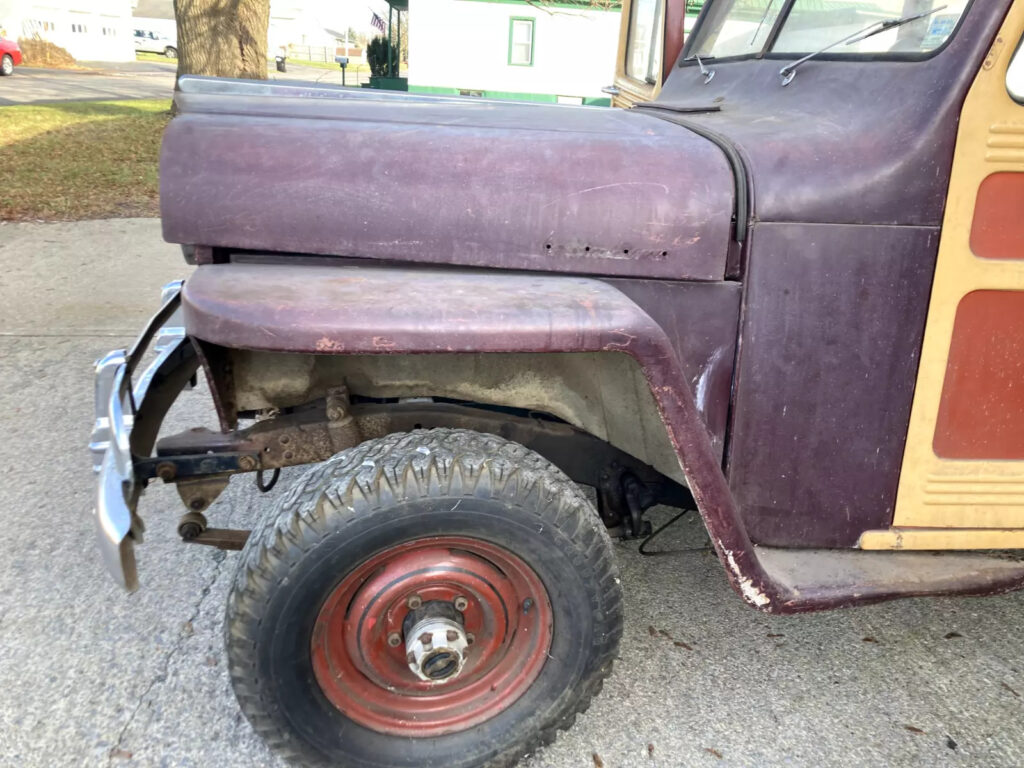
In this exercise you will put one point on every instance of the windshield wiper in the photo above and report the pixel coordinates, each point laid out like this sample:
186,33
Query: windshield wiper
788,72
708,73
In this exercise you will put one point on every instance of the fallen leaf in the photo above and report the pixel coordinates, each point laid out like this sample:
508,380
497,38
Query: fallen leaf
913,729
868,640
951,635
712,751
663,633
1010,690
598,762
681,644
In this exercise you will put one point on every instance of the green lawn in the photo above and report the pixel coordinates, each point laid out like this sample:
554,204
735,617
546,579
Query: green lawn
146,56
81,160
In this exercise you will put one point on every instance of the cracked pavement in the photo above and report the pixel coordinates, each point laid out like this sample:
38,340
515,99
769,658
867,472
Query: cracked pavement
93,677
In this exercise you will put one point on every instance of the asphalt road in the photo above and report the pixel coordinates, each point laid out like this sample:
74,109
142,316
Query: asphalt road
133,80
90,676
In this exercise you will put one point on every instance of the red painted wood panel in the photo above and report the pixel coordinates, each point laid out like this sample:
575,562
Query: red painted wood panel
981,414
997,231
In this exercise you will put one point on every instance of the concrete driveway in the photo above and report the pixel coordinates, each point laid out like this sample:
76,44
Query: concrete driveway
91,676
29,85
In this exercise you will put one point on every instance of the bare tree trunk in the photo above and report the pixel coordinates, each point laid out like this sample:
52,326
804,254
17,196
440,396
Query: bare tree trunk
224,38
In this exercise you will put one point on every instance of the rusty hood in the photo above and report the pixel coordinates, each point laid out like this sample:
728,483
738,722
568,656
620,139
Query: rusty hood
308,169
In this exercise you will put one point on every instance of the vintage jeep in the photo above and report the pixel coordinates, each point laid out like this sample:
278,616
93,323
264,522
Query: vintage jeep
791,286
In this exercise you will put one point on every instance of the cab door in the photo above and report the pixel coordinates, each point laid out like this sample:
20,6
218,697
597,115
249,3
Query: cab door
651,35
962,480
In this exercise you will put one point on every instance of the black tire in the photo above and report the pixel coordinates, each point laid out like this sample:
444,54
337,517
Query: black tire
6,65
171,52
373,497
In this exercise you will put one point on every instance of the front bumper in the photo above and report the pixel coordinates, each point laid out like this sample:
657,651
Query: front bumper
118,405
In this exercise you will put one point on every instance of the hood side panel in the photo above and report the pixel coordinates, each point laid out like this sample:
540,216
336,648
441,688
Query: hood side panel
515,186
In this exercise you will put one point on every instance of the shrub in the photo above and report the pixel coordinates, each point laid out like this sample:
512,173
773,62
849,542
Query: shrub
377,56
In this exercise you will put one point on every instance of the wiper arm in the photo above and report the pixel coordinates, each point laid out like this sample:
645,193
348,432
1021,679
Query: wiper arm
788,72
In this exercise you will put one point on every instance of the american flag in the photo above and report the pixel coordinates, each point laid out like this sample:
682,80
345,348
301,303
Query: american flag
378,22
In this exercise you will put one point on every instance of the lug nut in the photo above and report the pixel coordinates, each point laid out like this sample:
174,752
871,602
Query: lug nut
394,639
461,603
247,463
470,638
415,602
426,639
452,635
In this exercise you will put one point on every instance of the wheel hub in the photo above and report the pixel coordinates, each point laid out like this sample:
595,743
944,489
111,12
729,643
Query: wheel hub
436,649
432,636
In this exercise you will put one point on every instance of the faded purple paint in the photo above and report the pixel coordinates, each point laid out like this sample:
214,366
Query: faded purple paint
701,322
828,358
848,141
520,186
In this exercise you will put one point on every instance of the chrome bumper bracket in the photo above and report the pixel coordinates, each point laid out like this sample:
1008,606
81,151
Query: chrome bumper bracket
116,405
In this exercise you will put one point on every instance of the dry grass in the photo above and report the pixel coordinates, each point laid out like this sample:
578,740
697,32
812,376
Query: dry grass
81,160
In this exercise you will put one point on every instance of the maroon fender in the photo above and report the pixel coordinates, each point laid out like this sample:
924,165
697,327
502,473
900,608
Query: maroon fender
356,310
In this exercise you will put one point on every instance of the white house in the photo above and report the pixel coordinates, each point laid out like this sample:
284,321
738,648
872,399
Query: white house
551,51
90,30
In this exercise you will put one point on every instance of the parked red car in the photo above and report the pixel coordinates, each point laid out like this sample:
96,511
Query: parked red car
10,56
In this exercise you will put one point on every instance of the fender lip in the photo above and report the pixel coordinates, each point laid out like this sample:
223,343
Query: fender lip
116,404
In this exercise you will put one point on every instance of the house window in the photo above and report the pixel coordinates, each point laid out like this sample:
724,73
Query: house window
520,42
80,28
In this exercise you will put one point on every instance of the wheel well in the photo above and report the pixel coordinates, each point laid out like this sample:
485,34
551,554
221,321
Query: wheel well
602,393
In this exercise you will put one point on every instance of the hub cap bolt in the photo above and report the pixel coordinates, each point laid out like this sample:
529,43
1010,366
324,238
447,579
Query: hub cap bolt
415,602
461,603
470,638
394,639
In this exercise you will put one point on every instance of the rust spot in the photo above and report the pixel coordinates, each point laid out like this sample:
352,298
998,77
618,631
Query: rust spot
324,344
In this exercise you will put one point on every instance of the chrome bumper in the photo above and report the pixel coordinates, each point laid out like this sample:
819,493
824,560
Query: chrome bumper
117,403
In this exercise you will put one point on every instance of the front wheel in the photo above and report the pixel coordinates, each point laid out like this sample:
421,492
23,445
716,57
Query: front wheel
170,52
6,65
433,598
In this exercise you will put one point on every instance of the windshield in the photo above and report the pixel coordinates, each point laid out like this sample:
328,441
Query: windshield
741,27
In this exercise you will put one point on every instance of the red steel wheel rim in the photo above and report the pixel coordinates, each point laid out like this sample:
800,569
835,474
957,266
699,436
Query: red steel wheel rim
508,613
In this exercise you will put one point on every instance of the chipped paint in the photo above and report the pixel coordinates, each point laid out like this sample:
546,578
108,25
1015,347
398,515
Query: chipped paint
750,593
